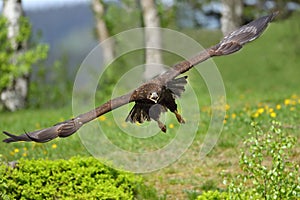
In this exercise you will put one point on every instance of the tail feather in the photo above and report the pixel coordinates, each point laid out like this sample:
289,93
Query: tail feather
139,113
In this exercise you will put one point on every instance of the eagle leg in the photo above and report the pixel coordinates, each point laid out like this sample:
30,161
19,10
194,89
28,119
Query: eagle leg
179,117
161,125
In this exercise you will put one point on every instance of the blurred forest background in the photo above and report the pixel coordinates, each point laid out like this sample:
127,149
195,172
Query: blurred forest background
68,31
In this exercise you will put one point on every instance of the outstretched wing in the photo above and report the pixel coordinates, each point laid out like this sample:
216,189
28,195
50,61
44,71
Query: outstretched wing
247,33
67,128
230,44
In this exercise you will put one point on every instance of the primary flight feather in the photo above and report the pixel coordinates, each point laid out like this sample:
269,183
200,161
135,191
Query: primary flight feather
156,95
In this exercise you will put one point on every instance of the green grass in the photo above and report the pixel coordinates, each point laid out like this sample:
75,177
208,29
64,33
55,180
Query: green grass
263,75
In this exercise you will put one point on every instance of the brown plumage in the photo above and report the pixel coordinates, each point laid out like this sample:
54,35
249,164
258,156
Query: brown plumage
155,96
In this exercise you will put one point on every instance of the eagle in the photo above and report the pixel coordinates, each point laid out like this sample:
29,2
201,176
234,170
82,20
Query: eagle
156,95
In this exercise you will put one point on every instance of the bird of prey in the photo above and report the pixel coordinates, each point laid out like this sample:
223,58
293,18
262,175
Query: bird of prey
156,95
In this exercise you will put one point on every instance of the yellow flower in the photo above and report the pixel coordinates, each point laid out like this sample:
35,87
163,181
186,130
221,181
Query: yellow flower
171,125
293,102
255,115
278,106
227,107
12,153
271,110
292,108
24,154
273,114
224,121
16,150
233,115
54,146
102,118
294,96
260,110
287,102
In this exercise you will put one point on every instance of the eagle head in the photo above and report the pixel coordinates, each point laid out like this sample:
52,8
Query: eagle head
153,96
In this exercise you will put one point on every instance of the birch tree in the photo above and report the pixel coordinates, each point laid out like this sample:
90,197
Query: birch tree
14,96
152,39
102,30
231,15
16,59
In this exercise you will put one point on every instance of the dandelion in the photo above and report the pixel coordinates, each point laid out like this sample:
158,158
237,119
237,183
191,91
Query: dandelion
292,108
224,121
255,115
171,125
54,146
294,96
16,150
102,118
293,102
24,154
273,114
278,106
260,110
287,102
227,107
233,115
271,110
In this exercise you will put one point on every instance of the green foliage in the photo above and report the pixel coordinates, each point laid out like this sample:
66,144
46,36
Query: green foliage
213,195
43,93
267,169
77,178
14,65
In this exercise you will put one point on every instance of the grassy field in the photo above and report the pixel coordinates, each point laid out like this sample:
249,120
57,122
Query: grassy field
261,82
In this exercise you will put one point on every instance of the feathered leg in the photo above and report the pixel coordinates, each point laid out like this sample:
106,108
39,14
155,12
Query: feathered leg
179,117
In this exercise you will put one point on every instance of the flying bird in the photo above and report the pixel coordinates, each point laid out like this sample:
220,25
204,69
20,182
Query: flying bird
156,95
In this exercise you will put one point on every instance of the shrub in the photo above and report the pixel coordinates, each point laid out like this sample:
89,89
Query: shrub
267,169
213,195
77,178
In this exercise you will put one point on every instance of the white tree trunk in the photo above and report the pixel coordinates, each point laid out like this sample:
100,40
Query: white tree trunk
14,96
231,15
102,31
152,40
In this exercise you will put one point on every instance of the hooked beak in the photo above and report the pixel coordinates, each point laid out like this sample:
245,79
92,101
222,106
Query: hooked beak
154,97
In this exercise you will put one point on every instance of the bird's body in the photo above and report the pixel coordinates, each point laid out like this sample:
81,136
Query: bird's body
155,96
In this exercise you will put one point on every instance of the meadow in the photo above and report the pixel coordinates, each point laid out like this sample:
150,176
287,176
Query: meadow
261,82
